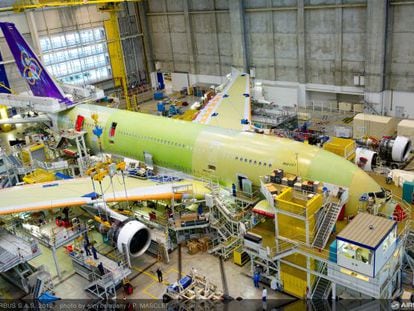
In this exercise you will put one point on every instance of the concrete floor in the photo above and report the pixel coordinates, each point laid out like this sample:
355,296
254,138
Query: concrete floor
143,277
146,284
150,106
326,121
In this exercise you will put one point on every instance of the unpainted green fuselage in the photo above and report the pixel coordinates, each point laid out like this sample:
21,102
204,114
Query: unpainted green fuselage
215,152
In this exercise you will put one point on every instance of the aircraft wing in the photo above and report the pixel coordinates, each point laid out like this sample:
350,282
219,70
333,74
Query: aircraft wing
230,108
73,192
25,120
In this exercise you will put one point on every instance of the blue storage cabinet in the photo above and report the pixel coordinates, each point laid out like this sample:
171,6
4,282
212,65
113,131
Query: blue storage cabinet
158,95
408,189
333,252
160,107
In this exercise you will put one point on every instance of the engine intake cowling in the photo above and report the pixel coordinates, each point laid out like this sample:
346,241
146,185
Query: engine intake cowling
135,235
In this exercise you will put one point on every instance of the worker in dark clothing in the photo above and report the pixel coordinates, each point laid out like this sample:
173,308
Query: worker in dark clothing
86,246
66,213
95,255
233,190
86,238
199,210
101,269
256,279
159,274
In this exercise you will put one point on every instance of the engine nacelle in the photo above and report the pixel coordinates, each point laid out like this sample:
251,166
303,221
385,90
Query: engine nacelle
395,149
135,235
366,159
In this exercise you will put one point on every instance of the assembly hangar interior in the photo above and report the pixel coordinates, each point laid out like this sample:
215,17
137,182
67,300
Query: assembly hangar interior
207,152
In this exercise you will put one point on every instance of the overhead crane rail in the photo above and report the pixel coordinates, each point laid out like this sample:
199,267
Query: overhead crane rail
23,5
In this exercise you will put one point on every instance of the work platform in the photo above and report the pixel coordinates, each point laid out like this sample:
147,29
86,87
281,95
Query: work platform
102,285
52,236
15,250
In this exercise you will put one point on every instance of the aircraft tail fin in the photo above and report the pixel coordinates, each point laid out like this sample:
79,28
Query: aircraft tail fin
32,70
4,82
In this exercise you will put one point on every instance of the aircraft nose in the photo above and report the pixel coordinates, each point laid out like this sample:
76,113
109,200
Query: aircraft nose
361,183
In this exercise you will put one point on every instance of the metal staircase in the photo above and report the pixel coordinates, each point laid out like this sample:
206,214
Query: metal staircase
220,226
221,220
321,305
226,242
18,275
38,288
8,260
8,170
369,107
322,286
326,227
409,252
103,287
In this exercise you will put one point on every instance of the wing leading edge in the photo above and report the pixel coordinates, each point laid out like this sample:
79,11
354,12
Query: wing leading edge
73,192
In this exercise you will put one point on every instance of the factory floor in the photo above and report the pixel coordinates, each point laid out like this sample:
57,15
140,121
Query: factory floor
146,283
150,106
326,121
17,133
226,275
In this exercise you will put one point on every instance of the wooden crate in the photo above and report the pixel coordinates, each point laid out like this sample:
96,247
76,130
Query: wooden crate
193,247
344,106
359,108
373,126
406,128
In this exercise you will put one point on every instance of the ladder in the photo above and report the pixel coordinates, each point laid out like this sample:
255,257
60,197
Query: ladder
326,227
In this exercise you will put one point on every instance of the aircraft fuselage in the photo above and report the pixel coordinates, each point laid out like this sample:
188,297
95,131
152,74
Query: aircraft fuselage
215,152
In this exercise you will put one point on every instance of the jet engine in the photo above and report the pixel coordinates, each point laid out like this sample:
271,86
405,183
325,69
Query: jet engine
125,232
366,159
134,235
395,149
391,152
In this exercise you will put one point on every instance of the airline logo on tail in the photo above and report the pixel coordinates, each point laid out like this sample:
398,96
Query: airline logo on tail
32,69
39,80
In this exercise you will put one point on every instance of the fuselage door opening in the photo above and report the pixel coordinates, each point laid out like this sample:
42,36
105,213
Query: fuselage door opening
112,132
245,185
149,162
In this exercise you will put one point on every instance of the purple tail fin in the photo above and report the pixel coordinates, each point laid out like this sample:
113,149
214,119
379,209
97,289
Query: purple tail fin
4,82
39,80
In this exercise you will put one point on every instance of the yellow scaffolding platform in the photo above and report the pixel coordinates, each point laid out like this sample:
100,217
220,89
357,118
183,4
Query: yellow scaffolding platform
38,176
342,147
